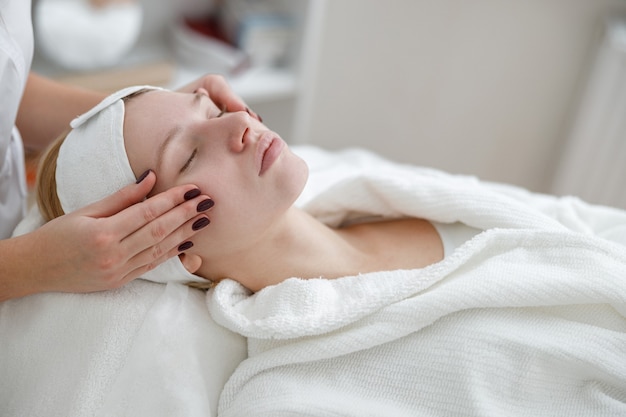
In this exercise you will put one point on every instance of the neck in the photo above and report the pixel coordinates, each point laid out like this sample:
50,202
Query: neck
300,246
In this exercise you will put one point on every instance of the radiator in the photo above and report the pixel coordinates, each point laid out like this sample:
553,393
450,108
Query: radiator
593,163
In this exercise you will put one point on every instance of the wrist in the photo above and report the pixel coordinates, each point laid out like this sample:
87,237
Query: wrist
17,268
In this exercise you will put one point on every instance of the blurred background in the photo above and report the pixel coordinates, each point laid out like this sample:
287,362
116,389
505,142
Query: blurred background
526,92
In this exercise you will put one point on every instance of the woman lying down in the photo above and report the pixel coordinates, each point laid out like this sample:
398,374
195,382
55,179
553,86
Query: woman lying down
390,291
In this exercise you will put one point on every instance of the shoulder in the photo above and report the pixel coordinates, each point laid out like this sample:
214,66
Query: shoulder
404,243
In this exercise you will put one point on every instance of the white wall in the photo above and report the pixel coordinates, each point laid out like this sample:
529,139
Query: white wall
482,87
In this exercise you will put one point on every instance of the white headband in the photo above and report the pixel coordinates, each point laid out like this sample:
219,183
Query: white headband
92,164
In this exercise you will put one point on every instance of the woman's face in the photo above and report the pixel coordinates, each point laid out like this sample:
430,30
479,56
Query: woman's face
244,167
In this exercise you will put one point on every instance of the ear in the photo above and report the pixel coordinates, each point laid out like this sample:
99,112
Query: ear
191,262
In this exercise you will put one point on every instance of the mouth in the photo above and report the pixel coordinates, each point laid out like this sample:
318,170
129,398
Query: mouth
269,149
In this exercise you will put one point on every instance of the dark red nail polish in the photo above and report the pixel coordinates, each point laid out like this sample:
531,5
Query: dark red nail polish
200,223
191,194
185,245
205,205
143,176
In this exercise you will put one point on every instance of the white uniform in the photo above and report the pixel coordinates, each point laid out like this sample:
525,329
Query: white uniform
16,53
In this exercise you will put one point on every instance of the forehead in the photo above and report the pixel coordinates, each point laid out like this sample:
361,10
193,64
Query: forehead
150,108
151,114
148,117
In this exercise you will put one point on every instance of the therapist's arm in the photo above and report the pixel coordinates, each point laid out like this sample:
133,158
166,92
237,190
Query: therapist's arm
48,106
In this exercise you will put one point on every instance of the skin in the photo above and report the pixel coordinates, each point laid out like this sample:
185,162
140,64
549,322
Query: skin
95,248
257,236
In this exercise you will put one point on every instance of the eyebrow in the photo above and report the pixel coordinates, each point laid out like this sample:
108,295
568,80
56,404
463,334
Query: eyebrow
171,134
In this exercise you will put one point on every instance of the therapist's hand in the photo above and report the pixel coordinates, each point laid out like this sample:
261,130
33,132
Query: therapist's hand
220,93
108,243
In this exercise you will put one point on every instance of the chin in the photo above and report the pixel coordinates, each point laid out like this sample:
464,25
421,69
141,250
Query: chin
299,173
292,177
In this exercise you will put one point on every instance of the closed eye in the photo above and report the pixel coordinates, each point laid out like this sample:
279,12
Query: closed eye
189,161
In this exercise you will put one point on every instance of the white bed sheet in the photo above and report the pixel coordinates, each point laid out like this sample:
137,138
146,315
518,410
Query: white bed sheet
146,349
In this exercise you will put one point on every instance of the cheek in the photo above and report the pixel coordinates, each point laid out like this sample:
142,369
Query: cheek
246,206
239,215
232,230
234,200
219,183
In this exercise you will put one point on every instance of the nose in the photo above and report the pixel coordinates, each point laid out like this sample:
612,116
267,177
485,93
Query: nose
235,130
239,132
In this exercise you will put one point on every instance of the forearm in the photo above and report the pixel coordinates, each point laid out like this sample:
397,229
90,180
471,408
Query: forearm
48,106
17,269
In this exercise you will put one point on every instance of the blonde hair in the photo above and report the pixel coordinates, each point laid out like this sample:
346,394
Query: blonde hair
46,185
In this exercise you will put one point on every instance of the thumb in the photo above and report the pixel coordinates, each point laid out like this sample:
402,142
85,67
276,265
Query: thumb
122,199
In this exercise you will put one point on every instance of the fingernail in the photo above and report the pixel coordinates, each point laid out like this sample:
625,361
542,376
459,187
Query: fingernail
143,176
200,223
205,205
184,246
191,194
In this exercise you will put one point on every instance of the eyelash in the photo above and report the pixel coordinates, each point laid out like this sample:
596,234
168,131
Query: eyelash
191,158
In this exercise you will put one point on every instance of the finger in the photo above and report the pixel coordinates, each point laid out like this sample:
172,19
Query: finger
179,202
222,94
160,234
152,257
171,246
122,199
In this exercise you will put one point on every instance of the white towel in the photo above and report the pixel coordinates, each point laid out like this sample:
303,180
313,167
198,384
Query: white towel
526,319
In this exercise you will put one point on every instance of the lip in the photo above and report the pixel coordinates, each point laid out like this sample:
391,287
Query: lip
270,147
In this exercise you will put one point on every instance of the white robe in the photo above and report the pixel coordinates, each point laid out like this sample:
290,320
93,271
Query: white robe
527,318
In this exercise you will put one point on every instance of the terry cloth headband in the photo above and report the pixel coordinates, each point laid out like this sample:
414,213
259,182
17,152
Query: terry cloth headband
93,164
